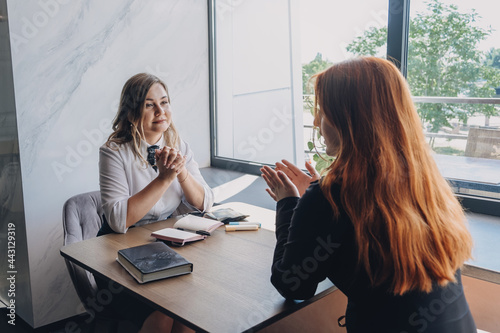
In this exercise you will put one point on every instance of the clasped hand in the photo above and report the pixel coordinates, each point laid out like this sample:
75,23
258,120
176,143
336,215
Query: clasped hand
170,162
287,180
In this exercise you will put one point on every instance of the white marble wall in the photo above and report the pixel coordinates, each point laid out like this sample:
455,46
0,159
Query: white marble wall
70,61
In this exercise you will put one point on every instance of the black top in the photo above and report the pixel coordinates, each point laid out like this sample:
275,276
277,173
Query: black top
312,245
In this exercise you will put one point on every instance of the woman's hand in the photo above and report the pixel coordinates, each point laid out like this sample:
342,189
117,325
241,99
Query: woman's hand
280,186
179,165
301,179
173,162
192,189
168,161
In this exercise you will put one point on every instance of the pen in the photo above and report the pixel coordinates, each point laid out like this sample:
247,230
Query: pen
245,223
199,232
242,227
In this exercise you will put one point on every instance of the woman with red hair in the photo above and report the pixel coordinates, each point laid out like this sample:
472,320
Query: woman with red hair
382,224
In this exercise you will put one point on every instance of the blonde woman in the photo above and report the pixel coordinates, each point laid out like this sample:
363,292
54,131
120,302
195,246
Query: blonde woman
147,173
382,224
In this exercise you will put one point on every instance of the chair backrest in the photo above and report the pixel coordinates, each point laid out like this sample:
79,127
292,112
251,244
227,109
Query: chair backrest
82,220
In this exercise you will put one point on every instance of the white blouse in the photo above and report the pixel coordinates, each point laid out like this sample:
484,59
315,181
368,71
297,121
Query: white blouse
121,175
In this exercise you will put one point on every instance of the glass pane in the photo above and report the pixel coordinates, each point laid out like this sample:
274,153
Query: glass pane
330,32
453,70
258,83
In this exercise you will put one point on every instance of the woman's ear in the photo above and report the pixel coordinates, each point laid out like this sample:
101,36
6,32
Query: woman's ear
317,120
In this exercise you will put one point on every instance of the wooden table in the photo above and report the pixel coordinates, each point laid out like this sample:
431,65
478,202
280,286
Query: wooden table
229,289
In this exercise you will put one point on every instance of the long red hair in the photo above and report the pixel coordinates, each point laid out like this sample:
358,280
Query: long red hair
410,229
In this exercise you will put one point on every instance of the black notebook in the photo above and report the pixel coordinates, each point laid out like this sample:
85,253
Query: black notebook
153,261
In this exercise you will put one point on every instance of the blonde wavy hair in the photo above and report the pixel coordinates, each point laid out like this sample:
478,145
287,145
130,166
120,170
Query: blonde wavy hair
127,125
409,227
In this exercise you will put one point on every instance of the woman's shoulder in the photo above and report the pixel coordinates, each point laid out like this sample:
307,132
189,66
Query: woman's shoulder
184,147
112,147
315,196
315,188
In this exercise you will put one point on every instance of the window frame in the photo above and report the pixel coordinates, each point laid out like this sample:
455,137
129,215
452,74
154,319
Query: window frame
398,27
218,161
397,51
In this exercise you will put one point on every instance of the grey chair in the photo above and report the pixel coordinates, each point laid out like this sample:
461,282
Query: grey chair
82,219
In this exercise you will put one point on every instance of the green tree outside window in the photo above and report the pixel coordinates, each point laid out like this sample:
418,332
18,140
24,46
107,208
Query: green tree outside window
444,60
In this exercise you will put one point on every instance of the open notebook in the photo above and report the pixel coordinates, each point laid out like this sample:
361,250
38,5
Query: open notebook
187,229
197,224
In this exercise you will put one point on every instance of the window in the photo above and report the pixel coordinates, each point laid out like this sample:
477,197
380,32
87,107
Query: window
331,33
453,70
258,83
264,52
